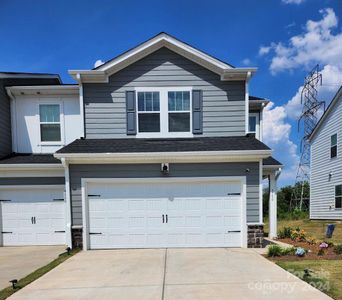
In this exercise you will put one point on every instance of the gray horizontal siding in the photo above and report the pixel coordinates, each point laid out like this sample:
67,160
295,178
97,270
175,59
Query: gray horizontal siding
32,180
77,172
5,122
223,101
322,189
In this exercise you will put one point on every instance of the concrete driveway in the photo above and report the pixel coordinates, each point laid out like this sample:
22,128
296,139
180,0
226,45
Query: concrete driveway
168,274
17,262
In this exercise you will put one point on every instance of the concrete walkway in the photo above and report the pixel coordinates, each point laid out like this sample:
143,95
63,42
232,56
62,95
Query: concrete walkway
17,262
172,274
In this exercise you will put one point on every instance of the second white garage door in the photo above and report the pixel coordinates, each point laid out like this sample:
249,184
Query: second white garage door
165,214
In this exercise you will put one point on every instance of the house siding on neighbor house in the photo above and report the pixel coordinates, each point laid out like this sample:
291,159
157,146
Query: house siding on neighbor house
77,172
223,101
322,186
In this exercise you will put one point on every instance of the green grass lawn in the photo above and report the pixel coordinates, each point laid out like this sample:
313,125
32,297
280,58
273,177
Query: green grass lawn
313,228
5,293
327,274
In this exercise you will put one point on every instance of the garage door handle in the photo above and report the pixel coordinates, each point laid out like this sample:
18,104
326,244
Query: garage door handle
4,200
230,231
94,195
58,199
95,233
163,218
59,231
4,232
167,219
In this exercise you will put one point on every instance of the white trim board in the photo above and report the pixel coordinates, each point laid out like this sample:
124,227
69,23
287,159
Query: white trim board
101,74
85,206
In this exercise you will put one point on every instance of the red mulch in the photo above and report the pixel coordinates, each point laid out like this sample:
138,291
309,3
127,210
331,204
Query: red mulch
312,254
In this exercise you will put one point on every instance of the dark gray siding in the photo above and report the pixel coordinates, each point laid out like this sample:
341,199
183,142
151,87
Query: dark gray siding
223,101
176,170
5,122
32,180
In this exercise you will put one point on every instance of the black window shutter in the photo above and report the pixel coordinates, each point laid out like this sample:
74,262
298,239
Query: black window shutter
131,113
197,112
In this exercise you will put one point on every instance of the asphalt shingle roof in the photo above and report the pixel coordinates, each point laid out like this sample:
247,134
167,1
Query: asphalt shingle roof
24,158
270,161
163,145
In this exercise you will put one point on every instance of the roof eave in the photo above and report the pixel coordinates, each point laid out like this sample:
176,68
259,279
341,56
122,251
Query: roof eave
171,157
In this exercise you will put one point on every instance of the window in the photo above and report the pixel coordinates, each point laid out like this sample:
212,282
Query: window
333,146
252,124
179,111
164,112
338,196
148,112
50,126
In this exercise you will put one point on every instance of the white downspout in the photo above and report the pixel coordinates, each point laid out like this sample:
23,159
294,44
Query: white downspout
68,220
79,78
273,205
249,74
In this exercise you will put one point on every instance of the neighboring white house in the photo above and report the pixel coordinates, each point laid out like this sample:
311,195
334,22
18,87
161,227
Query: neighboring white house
326,163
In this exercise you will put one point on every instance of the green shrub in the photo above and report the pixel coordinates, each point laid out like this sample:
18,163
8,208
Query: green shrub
288,251
274,250
320,252
338,249
285,233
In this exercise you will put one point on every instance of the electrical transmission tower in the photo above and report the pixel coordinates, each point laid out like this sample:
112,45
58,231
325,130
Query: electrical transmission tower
309,118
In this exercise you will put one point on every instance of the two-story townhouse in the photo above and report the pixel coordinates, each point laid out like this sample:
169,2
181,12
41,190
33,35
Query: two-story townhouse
159,147
326,163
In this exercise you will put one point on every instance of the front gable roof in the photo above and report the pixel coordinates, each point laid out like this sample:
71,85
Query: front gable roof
101,73
328,111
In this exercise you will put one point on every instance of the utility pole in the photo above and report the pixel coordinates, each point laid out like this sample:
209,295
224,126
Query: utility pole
309,117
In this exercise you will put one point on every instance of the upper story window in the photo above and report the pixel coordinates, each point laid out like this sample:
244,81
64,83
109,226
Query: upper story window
164,112
253,123
338,196
333,146
50,124
179,111
148,112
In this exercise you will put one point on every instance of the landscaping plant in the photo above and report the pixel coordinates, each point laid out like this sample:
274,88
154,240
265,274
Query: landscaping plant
300,252
274,250
285,233
338,249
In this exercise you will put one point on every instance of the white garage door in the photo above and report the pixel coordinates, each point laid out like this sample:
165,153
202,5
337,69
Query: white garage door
164,214
32,216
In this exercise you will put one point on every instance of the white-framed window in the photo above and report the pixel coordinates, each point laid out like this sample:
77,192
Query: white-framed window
50,123
338,196
333,146
164,112
253,124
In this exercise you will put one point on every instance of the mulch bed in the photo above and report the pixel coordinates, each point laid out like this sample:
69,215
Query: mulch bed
312,254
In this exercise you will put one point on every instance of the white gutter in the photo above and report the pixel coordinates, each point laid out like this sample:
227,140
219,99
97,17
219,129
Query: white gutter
200,156
8,167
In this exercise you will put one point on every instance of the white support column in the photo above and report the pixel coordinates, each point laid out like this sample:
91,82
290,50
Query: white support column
273,206
67,204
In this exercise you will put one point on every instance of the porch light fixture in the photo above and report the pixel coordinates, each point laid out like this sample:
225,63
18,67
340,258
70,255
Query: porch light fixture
330,175
165,168
247,170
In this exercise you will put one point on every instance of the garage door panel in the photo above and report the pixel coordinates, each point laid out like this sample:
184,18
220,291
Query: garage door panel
196,214
32,216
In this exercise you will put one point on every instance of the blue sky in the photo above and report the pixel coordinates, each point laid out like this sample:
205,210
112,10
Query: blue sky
276,36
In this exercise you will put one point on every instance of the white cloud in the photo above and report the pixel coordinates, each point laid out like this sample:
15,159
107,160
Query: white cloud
292,1
246,61
332,79
316,44
98,63
264,50
277,135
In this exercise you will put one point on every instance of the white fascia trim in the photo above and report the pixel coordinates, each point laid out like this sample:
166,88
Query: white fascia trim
43,90
162,40
24,187
31,166
203,156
